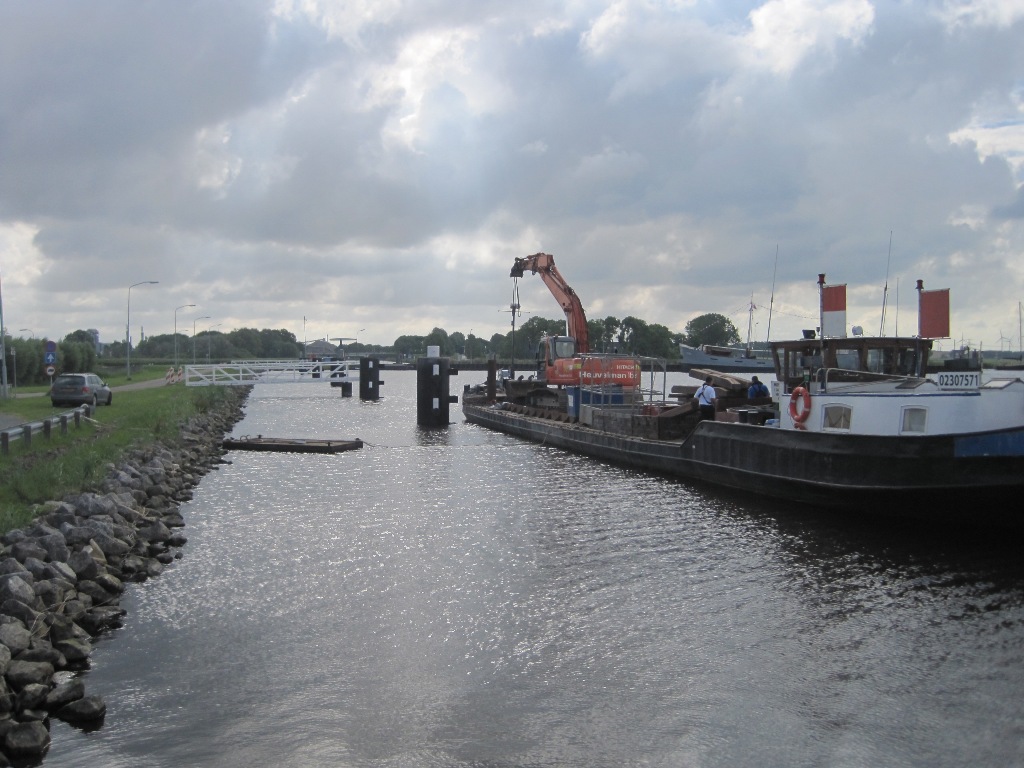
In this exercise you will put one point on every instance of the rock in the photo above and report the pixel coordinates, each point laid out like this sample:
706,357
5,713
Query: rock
74,650
9,565
85,710
27,615
65,693
96,593
6,703
111,546
15,637
26,548
27,739
17,586
51,592
42,651
155,531
109,583
101,618
63,627
84,564
32,696
21,673
55,546
64,571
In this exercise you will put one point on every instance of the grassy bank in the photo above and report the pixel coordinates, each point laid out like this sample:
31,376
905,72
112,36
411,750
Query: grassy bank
50,469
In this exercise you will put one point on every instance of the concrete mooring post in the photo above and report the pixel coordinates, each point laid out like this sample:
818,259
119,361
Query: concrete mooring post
432,398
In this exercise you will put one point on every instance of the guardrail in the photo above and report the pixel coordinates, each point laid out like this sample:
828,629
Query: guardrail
46,427
269,372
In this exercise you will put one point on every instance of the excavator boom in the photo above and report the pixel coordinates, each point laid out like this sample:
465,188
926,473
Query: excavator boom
543,264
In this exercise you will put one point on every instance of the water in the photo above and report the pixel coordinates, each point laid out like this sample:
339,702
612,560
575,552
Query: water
460,598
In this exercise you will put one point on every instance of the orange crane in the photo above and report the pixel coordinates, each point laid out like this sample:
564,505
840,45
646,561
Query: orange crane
559,358
543,264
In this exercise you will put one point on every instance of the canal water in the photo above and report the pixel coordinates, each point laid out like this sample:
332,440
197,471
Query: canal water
455,597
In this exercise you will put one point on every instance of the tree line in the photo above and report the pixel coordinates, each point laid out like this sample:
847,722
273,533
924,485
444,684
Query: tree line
78,350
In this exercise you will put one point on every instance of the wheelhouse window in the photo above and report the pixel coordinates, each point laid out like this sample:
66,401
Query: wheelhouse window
914,420
838,417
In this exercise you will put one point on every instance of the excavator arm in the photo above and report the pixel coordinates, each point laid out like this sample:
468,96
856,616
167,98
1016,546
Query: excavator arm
543,264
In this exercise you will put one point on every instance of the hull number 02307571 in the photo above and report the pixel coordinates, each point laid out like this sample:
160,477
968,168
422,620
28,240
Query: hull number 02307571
963,380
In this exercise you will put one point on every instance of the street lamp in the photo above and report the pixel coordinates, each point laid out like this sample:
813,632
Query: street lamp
14,358
204,317
176,331
128,329
208,336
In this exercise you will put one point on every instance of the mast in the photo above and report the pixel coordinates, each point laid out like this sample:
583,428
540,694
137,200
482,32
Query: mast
771,304
750,326
885,290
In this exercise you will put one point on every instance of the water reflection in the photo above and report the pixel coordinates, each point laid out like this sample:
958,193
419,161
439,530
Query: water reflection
461,598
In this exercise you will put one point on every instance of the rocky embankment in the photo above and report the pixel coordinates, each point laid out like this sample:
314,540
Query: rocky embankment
61,578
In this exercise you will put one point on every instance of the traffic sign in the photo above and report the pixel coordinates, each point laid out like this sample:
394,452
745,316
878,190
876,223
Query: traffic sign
50,370
50,358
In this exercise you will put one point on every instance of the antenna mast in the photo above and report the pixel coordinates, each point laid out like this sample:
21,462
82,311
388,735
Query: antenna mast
771,304
885,291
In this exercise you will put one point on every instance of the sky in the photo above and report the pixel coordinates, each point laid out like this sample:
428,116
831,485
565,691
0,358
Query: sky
365,169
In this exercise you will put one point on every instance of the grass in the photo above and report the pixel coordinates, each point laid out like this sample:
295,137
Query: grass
51,469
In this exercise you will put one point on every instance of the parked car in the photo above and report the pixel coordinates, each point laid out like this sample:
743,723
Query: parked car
80,389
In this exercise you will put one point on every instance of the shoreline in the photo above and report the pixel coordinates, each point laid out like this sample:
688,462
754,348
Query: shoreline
62,575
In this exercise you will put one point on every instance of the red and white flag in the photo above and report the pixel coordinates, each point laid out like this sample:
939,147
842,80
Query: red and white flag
833,311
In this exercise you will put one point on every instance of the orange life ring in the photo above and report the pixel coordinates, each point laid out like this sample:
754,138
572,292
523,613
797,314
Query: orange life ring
800,416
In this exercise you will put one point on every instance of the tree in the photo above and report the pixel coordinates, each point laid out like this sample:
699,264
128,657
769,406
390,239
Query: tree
247,341
711,328
603,333
647,340
439,338
410,346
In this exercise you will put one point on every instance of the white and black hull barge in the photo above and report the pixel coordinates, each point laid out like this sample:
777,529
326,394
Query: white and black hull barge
974,478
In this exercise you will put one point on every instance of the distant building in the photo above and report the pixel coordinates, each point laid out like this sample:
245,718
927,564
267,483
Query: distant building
321,349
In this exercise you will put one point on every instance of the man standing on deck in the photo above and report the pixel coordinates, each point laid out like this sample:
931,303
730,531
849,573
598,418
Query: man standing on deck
705,397
757,389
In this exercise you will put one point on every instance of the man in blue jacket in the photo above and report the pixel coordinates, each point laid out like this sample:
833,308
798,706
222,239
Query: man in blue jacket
757,389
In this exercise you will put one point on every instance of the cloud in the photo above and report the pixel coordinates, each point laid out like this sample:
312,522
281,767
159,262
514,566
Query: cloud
784,32
381,163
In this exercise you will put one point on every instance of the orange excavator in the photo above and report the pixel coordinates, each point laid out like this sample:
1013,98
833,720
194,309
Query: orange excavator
564,360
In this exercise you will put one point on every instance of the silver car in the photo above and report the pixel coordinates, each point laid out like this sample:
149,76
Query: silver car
80,389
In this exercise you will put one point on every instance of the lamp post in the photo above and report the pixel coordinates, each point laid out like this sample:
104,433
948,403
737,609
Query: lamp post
183,306
209,334
128,329
3,353
204,317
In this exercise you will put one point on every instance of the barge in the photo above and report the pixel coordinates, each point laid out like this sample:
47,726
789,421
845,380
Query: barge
853,423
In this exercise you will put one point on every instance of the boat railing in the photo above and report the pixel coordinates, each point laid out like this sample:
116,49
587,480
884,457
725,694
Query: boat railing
651,388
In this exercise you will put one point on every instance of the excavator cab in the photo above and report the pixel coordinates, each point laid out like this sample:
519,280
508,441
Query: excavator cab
557,362
558,347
